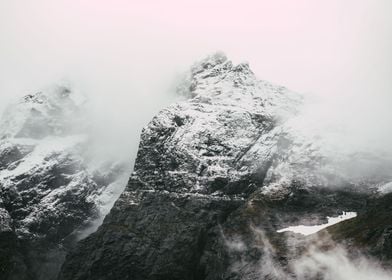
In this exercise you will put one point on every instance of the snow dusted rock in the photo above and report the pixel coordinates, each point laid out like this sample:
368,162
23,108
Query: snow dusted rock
48,192
227,130
215,177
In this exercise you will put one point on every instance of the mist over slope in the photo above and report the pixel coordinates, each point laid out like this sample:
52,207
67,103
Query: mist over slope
54,187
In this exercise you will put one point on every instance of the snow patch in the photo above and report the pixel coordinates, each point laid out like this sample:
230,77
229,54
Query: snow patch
308,230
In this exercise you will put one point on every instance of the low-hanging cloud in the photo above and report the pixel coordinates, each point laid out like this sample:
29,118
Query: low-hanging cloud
317,262
336,264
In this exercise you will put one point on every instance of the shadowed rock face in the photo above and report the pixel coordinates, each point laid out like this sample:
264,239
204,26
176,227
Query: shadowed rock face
210,188
47,191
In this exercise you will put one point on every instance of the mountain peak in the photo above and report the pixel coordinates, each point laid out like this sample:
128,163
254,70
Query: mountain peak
218,63
211,60
49,112
217,81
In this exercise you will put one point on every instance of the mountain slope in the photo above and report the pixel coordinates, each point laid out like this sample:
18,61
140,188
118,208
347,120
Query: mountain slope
48,192
215,177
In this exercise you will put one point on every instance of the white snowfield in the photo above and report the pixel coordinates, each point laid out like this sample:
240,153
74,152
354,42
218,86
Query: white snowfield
308,230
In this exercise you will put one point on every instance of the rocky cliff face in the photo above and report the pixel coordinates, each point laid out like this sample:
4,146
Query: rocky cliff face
48,192
215,177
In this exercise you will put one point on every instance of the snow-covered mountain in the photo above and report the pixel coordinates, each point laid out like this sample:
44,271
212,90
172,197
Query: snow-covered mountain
223,184
217,178
50,193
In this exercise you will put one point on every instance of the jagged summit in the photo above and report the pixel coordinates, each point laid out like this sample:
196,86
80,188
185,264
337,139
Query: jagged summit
217,81
54,111
211,60
219,59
